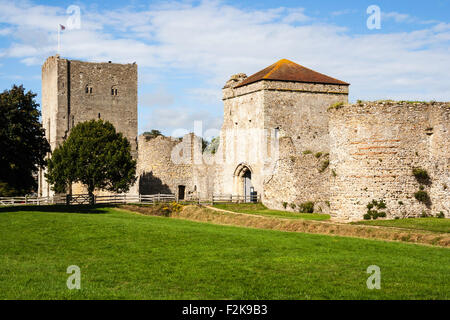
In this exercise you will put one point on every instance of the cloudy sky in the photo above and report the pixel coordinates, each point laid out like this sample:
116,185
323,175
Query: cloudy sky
186,50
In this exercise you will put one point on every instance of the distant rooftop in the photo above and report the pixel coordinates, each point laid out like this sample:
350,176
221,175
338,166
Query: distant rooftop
285,70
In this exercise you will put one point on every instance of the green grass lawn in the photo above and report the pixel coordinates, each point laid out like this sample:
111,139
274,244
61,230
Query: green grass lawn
128,256
260,209
427,224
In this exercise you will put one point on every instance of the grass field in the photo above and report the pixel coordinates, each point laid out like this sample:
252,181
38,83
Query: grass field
426,224
127,256
260,209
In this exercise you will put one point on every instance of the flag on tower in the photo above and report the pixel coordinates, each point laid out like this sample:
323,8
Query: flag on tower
60,28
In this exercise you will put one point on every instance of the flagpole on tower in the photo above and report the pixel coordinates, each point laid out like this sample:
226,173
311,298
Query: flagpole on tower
60,27
59,39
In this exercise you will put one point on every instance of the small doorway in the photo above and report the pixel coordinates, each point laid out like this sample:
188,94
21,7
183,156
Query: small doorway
181,191
248,188
243,186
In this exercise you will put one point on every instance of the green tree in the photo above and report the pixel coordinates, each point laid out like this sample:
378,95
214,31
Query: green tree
95,155
23,146
152,134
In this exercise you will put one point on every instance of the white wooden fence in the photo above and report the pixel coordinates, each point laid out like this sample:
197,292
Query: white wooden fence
125,198
14,201
226,199
84,199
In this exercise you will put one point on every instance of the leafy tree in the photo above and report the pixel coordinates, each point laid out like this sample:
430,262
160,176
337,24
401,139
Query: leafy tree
152,134
22,142
205,144
213,145
95,155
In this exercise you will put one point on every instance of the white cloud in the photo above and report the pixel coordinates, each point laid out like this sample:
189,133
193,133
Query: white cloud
213,40
172,121
5,31
296,15
160,97
343,12
205,95
397,17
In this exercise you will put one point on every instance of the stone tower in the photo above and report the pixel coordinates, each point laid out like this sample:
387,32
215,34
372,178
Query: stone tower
75,91
272,116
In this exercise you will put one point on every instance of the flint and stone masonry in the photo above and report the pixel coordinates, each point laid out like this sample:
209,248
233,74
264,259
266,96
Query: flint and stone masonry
75,91
288,135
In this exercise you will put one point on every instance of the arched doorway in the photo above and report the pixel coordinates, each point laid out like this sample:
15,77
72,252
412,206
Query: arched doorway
243,186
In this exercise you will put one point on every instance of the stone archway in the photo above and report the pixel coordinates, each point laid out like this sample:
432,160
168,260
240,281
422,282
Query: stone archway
242,182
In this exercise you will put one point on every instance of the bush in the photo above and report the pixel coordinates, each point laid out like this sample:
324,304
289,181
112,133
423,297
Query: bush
306,207
285,205
422,196
318,155
152,134
421,175
171,208
307,152
374,214
293,205
440,215
381,204
336,106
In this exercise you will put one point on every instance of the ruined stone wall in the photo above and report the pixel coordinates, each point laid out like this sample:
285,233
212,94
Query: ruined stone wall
205,177
298,178
373,150
164,163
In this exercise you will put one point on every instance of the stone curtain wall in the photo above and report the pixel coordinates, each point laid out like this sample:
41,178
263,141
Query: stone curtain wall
373,150
157,172
298,178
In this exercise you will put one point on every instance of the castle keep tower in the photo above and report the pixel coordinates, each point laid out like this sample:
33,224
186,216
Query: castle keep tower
75,91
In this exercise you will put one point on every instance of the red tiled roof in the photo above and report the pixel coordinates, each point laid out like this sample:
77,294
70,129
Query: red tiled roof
285,70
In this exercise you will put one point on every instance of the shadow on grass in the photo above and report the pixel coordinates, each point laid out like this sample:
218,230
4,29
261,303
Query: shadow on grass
82,209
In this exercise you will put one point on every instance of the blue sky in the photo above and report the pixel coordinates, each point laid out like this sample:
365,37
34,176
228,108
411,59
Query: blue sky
186,50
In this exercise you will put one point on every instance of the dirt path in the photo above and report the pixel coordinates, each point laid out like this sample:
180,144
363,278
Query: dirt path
225,217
